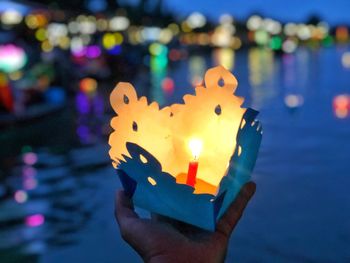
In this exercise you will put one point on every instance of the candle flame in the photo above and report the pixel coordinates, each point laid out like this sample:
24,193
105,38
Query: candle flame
195,146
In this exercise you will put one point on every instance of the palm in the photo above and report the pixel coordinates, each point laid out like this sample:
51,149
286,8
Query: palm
161,239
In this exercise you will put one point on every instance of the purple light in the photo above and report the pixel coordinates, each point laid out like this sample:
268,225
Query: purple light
79,52
83,131
30,158
30,183
82,103
93,51
35,220
28,171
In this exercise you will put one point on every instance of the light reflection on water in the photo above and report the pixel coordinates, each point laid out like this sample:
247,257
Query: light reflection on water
304,103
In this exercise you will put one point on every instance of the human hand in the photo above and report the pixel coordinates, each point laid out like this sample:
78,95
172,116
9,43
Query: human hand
162,239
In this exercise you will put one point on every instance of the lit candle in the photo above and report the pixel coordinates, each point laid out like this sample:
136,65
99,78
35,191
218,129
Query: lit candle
195,146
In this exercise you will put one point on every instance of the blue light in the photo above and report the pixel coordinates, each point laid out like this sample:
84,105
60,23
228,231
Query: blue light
116,50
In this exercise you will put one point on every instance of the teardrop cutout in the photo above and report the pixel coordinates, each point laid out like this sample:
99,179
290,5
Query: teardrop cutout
218,109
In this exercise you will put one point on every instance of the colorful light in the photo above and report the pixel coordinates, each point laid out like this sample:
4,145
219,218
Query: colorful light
34,21
119,23
101,24
82,103
21,196
303,32
157,49
261,37
341,106
345,59
196,20
46,46
40,34
35,220
28,171
224,57
254,23
150,34
293,100
272,26
342,34
290,29
289,46
12,58
88,85
116,50
55,95
165,36
276,43
110,40
30,158
93,51
11,17
29,183
168,85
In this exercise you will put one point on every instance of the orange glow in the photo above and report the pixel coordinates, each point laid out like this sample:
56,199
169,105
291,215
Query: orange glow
88,85
342,34
177,134
341,106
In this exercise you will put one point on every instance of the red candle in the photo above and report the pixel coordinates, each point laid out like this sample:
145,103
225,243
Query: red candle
192,173
195,147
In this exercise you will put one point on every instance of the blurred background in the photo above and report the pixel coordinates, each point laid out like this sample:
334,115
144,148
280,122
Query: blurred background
59,60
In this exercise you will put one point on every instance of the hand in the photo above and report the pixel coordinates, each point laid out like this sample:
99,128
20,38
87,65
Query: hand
162,239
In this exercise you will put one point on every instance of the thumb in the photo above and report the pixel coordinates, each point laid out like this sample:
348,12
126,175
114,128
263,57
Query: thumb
230,219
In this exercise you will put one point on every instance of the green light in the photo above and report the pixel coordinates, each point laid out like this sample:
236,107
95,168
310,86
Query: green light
276,43
157,49
158,63
327,41
261,37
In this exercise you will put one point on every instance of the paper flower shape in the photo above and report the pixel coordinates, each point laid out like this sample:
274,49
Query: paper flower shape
210,137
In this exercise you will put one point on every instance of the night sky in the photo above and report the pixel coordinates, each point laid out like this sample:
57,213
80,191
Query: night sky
333,11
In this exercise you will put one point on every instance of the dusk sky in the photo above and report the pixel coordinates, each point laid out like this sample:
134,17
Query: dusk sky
333,11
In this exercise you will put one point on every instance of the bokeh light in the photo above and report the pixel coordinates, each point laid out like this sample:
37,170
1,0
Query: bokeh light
88,85
30,158
21,196
341,106
11,17
35,220
293,100
12,58
168,85
345,59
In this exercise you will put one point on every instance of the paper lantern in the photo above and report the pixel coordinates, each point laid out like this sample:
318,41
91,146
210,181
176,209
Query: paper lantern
186,161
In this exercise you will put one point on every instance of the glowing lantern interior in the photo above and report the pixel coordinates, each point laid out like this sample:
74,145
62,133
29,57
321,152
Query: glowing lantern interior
203,128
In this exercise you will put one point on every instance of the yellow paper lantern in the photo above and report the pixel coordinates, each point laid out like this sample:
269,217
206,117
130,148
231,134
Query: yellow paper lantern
163,148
